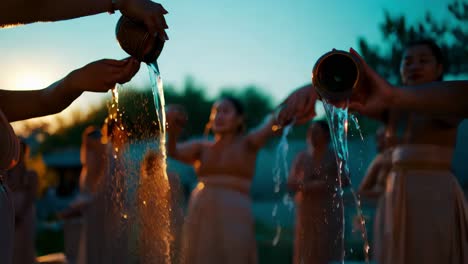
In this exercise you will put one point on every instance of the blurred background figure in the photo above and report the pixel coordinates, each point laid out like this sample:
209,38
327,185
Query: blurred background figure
94,165
86,212
426,214
23,184
161,208
219,226
372,187
313,178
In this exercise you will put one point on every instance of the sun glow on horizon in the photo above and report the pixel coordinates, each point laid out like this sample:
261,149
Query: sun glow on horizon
30,81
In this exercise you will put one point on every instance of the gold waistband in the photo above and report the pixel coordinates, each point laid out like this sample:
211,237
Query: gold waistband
422,155
406,166
226,182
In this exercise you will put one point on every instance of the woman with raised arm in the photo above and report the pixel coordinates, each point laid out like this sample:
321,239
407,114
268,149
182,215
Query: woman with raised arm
220,227
319,219
426,214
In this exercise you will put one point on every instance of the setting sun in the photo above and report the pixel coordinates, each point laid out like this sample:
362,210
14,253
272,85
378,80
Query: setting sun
30,81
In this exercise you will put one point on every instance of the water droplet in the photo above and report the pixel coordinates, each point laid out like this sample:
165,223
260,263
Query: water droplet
277,235
338,121
275,210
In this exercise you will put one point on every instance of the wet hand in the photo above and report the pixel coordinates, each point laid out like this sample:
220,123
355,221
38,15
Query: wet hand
148,12
102,75
374,95
300,105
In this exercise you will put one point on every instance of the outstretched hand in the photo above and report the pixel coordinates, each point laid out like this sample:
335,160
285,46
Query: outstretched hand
299,106
374,95
102,75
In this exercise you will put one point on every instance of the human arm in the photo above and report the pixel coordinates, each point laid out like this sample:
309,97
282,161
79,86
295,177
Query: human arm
369,182
258,137
298,107
375,95
16,12
300,104
369,186
99,76
187,152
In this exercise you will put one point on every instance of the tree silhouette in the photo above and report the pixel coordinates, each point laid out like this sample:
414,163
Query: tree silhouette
451,35
139,114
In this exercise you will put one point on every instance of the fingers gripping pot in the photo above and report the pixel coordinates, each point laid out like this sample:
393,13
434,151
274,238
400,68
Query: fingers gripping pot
335,75
135,39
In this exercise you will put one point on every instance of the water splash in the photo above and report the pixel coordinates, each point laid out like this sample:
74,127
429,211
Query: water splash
158,95
155,236
154,195
275,210
117,213
338,122
116,138
281,163
280,174
277,234
356,123
357,200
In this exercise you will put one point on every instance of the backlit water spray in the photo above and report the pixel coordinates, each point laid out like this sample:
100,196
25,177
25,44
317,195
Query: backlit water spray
338,119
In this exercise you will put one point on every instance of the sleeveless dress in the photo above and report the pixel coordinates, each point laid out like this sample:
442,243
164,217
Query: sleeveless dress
219,227
426,214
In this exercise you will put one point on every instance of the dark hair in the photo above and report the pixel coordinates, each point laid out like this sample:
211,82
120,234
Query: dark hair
235,102
238,107
323,125
436,51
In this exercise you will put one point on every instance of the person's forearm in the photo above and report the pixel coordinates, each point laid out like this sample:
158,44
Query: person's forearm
13,12
444,98
20,105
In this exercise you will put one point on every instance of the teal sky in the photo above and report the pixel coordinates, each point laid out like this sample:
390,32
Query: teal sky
270,43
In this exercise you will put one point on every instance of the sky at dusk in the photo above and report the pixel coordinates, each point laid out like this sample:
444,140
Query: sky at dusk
272,44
